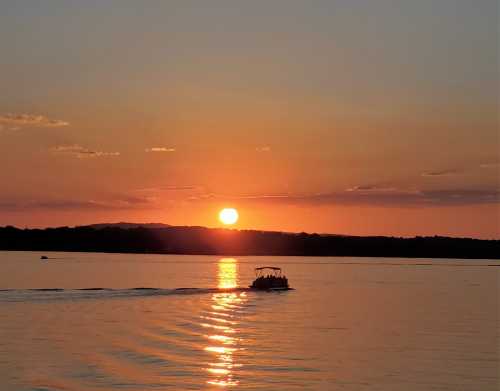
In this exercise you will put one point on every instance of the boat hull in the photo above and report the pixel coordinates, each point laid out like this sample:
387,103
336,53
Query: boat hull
277,289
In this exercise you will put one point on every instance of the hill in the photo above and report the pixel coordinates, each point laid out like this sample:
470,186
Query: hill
127,225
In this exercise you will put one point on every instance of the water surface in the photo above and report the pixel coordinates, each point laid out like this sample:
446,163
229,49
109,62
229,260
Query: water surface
351,324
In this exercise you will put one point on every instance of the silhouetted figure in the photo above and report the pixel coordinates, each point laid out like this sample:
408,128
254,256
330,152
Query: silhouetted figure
274,281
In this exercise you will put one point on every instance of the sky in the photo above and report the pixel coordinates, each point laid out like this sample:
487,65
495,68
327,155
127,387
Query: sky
364,117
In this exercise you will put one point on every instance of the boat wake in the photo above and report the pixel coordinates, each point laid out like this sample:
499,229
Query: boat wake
50,294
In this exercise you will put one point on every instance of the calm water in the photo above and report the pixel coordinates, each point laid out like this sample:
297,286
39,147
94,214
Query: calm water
351,324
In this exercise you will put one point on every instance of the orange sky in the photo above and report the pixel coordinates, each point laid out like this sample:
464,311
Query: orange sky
341,117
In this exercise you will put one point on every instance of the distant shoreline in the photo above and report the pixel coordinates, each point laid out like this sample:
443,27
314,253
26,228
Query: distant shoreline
223,242
261,255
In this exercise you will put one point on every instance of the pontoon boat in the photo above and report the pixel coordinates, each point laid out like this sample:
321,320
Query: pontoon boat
269,278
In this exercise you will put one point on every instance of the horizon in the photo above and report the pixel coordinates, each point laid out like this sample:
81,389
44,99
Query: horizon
230,228
364,118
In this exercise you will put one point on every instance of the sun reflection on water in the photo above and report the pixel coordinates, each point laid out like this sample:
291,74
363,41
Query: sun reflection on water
228,273
223,320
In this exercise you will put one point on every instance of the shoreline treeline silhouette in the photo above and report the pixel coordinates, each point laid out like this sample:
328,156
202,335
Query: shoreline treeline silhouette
217,241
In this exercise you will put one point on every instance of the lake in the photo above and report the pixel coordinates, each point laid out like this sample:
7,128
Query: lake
350,324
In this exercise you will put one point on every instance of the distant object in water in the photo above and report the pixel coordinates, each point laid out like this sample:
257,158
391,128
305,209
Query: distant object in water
274,280
44,257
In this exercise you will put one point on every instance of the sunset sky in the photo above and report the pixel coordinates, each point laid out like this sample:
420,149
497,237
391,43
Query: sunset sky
366,117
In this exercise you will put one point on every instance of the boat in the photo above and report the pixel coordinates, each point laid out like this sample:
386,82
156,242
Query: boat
270,278
44,257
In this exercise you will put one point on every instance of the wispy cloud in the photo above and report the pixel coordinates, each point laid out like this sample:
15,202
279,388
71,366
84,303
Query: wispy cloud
264,148
256,197
490,165
371,188
15,121
112,203
81,152
366,195
264,196
440,173
159,149
168,188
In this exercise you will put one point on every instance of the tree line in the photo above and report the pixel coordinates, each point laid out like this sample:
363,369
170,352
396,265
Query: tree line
212,241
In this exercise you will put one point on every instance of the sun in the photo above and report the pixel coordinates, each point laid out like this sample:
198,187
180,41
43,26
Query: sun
228,216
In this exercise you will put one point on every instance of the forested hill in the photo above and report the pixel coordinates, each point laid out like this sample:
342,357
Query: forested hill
210,241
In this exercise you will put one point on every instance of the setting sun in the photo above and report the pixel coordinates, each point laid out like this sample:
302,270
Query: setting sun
228,216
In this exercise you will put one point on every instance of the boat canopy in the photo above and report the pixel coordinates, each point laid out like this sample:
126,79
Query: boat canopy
259,271
268,267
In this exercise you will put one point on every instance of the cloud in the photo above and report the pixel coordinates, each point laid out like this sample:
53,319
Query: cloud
490,165
168,188
264,196
462,196
370,197
396,198
159,149
81,152
113,203
440,173
264,148
15,121
370,188
74,148
257,197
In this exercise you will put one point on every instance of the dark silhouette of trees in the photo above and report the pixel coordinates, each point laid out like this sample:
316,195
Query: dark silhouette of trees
200,240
